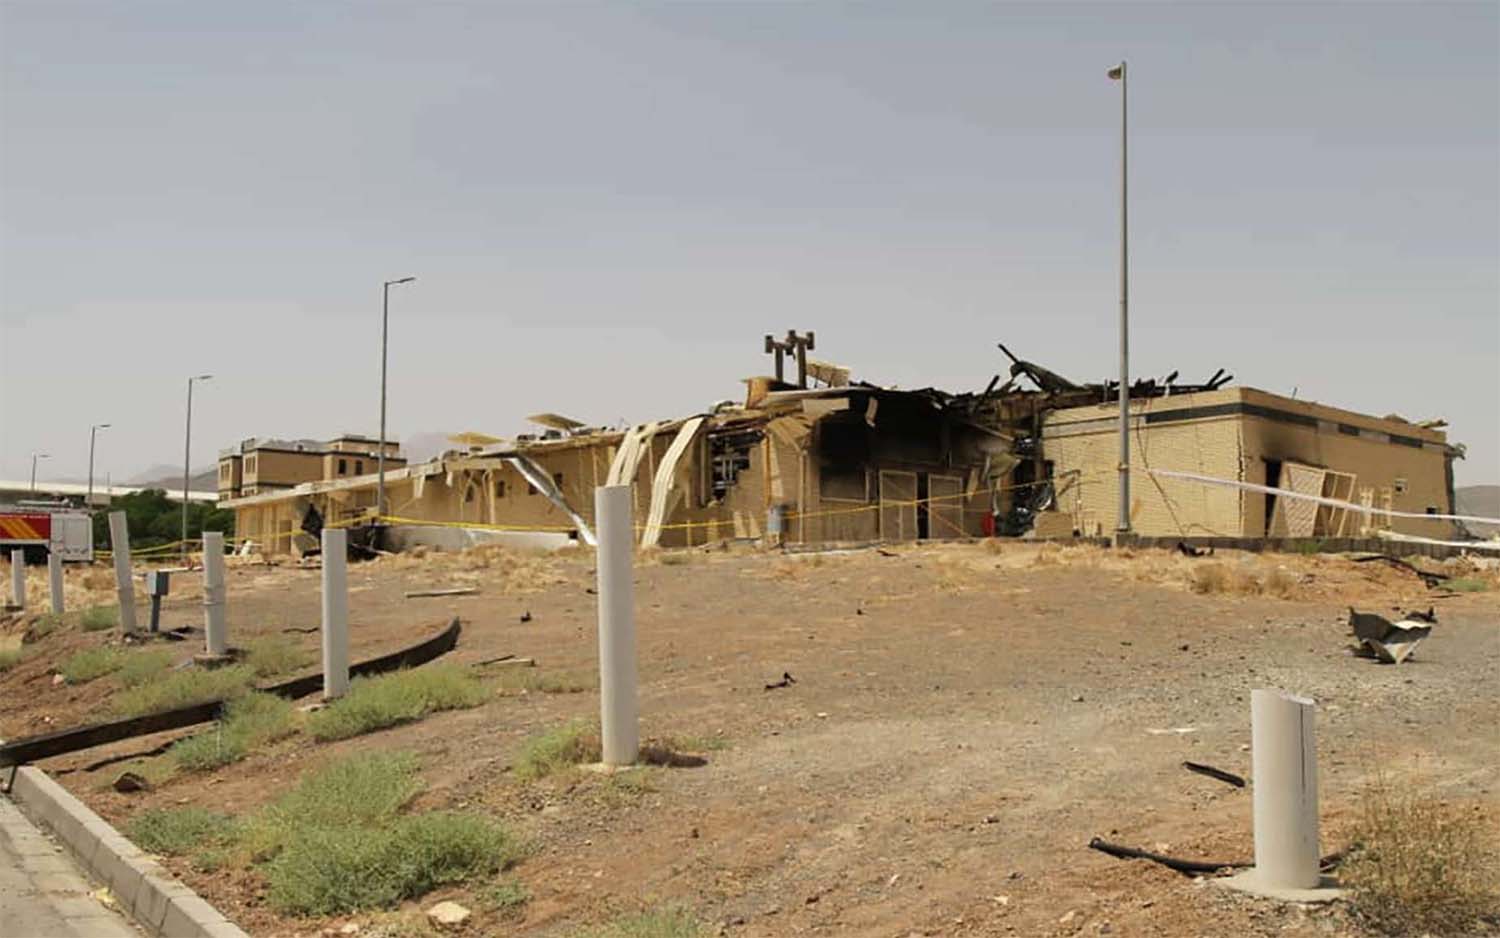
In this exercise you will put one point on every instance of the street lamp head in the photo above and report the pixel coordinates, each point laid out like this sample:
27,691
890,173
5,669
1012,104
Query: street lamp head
202,378
1118,72
102,426
392,283
41,455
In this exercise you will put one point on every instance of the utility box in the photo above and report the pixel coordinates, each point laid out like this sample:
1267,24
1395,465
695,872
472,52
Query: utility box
157,582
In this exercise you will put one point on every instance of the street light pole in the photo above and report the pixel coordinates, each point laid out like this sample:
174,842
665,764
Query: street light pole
187,455
88,500
1123,527
385,330
34,458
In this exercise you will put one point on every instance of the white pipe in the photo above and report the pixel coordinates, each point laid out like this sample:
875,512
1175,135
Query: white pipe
18,578
55,580
119,544
1284,759
617,670
215,638
335,612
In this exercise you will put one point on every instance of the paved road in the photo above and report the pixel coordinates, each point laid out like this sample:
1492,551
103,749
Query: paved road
43,894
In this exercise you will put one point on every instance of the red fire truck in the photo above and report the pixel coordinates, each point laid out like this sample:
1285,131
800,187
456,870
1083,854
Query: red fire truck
42,528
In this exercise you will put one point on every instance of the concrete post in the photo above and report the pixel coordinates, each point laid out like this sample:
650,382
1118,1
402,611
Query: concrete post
55,581
215,638
617,667
1284,759
18,578
335,613
119,544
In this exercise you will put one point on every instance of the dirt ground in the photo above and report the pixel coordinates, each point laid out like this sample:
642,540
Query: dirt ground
964,719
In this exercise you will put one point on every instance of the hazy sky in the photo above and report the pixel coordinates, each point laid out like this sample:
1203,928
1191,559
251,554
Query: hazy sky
607,206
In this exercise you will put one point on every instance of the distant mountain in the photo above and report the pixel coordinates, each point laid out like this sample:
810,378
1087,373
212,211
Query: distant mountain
166,477
1481,500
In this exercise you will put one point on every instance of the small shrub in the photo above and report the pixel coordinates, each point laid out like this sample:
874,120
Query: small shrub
99,618
516,680
390,699
1210,578
9,658
175,831
1281,584
1308,547
557,749
91,664
248,722
1422,865
272,656
183,688
45,624
656,923
141,666
504,898
1468,584
333,870
364,789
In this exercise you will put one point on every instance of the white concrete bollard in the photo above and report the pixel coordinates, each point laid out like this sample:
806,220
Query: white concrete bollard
119,544
55,581
215,638
617,668
1284,760
18,578
335,612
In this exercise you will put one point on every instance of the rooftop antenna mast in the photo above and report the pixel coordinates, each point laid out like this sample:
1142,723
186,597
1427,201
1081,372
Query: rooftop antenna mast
796,344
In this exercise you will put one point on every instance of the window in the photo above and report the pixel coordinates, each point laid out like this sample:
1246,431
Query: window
469,494
359,467
530,489
249,463
343,467
728,456
499,488
1400,486
557,480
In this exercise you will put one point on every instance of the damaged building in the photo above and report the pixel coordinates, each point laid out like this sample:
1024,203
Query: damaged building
815,457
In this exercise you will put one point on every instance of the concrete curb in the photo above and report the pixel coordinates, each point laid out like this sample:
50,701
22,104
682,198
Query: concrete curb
161,904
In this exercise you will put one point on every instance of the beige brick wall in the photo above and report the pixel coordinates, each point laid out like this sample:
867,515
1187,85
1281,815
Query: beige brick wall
1236,446
1086,440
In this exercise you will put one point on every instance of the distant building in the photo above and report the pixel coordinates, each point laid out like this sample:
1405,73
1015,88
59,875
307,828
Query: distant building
256,466
851,461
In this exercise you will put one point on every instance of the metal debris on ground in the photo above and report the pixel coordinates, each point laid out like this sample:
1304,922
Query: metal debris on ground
1389,642
786,681
1429,579
1236,780
1188,550
457,591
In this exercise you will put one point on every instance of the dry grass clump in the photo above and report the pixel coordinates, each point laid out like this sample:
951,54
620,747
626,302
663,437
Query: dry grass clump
561,748
250,721
9,658
374,703
182,689
514,681
1423,865
1241,579
655,923
274,655
99,618
505,569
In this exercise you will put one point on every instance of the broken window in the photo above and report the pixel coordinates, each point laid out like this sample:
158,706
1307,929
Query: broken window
728,456
1400,486
844,459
